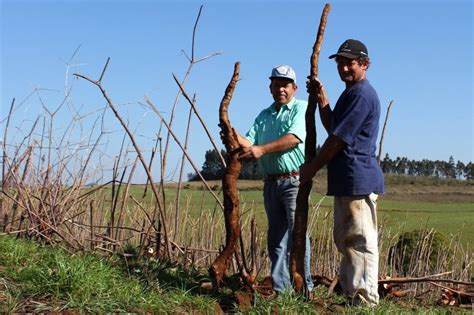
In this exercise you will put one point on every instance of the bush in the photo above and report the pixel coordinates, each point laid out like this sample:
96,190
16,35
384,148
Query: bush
418,251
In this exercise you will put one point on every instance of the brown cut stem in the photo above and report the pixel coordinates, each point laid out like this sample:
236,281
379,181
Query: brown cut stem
301,213
229,185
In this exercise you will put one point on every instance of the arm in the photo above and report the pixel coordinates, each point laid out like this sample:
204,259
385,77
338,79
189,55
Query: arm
283,143
332,146
325,113
317,94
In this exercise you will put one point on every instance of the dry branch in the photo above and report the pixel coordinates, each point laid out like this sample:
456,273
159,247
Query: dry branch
98,83
301,213
424,279
192,62
193,106
4,148
458,294
229,185
181,172
188,156
383,131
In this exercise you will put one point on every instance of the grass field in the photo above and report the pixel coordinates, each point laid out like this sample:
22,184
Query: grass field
43,279
38,278
409,203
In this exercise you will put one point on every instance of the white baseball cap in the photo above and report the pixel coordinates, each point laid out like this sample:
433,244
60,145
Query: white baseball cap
283,71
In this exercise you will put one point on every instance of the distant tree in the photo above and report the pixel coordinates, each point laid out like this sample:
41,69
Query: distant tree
250,170
213,167
412,167
450,168
460,167
385,164
193,176
469,171
401,165
427,167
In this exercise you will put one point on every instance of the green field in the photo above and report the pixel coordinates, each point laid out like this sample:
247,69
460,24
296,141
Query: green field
397,210
38,278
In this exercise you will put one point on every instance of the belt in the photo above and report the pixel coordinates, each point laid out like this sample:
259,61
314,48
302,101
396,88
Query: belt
282,175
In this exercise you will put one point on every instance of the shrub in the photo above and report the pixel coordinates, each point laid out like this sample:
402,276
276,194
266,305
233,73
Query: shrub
419,251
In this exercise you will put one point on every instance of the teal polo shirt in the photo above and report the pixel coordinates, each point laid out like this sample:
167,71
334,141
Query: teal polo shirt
271,125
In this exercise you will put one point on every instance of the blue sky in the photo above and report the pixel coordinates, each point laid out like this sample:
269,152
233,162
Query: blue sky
421,54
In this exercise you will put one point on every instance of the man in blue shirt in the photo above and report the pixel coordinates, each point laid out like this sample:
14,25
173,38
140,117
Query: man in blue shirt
354,176
276,139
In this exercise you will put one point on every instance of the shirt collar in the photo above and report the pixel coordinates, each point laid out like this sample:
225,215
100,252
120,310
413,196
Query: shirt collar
289,105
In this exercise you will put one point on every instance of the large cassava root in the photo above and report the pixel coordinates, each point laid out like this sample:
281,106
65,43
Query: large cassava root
301,212
229,185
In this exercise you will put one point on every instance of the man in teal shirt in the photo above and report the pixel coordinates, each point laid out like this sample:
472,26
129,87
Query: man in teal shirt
276,139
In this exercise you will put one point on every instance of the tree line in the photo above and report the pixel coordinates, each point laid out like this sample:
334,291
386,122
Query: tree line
425,167
212,168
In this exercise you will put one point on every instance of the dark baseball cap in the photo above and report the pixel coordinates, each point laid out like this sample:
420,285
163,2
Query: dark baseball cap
352,49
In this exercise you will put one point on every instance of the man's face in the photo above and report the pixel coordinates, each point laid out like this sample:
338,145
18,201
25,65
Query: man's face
282,90
350,70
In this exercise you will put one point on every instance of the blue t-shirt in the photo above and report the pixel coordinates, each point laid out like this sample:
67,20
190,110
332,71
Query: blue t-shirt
355,171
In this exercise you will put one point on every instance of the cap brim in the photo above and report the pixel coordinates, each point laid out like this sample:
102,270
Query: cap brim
276,77
345,54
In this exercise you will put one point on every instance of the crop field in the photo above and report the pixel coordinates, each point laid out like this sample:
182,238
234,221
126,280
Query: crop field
447,209
196,228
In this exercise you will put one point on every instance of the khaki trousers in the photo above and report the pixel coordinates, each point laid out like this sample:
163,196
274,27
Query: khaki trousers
355,235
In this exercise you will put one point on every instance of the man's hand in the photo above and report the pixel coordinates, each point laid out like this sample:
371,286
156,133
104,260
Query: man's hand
307,172
317,92
251,153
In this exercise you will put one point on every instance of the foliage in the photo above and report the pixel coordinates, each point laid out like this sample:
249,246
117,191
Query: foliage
213,169
415,245
425,167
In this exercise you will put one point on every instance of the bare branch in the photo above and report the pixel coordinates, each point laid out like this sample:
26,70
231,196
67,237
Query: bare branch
137,148
383,131
194,33
103,71
193,106
184,151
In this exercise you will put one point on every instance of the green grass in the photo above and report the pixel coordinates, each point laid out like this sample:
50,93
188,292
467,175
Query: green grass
47,279
37,278
449,218
402,209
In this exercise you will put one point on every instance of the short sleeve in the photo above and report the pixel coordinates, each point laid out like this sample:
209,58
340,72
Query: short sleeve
298,123
352,117
251,135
